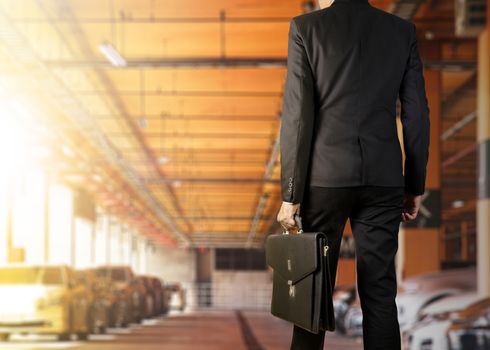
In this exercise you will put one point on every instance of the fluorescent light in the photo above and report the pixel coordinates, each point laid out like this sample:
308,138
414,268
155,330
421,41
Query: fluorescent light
142,122
67,151
457,203
177,183
75,177
163,159
112,55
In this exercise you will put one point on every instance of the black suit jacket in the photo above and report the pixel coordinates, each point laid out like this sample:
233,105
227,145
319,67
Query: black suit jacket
347,65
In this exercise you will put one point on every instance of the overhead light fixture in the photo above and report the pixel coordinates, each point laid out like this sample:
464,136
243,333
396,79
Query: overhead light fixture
142,122
429,35
177,183
67,151
163,159
112,55
457,203
75,177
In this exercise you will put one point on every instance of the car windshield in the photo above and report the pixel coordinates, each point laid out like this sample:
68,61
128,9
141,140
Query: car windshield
116,274
31,275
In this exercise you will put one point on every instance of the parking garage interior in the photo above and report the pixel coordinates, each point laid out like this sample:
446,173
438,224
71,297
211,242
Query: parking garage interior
140,177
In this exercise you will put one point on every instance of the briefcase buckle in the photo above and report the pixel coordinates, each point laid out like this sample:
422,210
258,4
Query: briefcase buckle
325,250
291,288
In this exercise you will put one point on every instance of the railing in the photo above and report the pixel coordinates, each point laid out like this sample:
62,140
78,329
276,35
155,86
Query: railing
228,295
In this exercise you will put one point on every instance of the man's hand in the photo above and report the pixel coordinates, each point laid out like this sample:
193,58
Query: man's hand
411,206
286,215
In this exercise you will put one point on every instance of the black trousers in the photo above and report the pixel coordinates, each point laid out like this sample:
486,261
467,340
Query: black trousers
375,216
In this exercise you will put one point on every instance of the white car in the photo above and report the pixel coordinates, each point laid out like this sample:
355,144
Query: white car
415,293
459,278
430,333
411,303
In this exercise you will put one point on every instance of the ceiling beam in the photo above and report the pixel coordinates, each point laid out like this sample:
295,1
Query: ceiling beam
184,62
264,197
460,124
211,218
448,65
196,135
158,20
223,62
458,156
405,9
182,93
469,85
210,180
163,116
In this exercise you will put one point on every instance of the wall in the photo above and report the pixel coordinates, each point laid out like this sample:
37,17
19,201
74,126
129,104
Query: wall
241,289
172,264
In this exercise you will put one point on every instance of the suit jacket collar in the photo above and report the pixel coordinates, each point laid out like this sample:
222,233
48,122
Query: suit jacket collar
352,1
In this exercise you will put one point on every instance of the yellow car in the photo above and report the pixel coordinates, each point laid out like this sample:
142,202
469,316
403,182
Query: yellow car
42,300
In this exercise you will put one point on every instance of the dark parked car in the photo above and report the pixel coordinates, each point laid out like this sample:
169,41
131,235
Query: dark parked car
127,289
98,301
156,292
147,302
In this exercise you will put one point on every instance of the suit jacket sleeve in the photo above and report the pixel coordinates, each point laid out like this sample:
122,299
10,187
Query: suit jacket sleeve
297,118
415,121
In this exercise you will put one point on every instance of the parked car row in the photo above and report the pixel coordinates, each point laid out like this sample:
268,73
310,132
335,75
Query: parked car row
458,322
62,301
436,311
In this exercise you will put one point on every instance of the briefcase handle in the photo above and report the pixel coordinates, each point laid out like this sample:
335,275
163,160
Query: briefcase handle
297,218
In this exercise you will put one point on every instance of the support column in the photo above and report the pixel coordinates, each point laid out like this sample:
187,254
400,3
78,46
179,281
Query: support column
73,232
419,240
10,227
46,209
108,238
93,238
483,142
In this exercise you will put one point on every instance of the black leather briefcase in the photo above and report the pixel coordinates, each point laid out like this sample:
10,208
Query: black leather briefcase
301,287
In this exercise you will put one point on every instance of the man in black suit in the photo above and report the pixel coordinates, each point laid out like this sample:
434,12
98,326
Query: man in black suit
340,154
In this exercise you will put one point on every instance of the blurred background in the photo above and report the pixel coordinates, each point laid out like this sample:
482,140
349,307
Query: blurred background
140,177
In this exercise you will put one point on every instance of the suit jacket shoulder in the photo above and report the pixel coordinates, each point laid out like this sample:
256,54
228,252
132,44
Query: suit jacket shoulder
321,17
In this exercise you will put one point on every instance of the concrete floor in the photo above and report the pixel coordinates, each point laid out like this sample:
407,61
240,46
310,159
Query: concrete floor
206,330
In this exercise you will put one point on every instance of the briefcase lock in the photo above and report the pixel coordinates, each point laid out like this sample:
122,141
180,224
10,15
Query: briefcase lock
291,288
